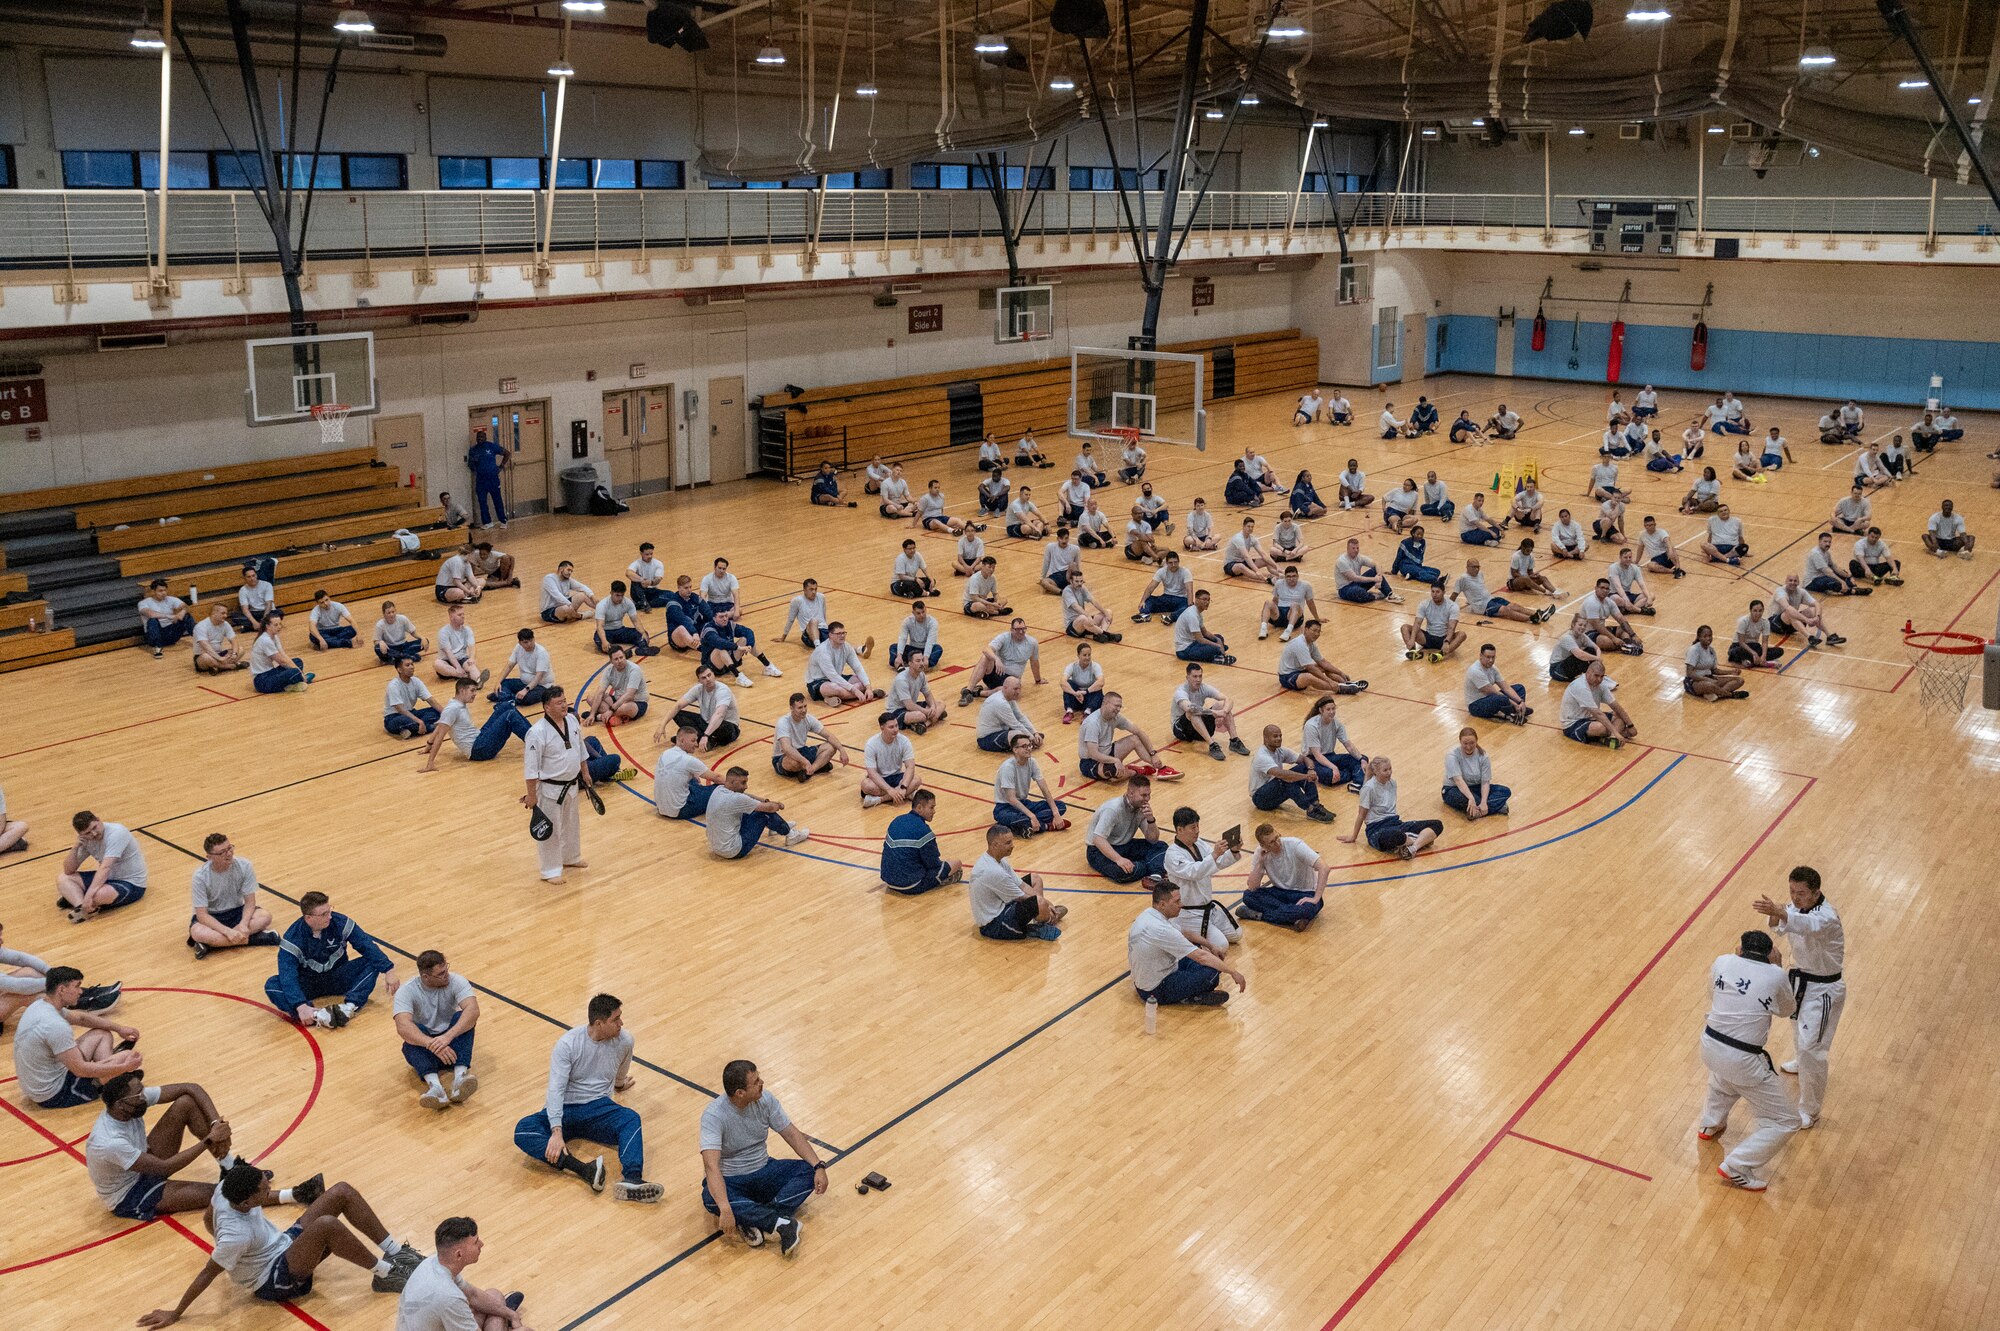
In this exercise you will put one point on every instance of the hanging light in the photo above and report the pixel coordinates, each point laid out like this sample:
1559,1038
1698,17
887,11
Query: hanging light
1479,122
1638,15
353,20
1816,57
1062,83
771,56
1286,30
1914,83
1576,131
148,39
1211,114
987,43
1250,99
562,69
1972,101
867,90
1715,129
1319,124
583,6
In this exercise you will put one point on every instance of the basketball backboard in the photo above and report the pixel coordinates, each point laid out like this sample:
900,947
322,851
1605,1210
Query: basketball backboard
1024,314
1158,393
289,376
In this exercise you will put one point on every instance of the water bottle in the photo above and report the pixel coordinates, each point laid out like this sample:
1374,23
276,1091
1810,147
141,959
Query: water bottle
1152,1016
194,594
49,620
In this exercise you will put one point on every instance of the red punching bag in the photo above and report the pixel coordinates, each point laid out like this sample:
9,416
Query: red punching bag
1541,337
1615,362
1698,353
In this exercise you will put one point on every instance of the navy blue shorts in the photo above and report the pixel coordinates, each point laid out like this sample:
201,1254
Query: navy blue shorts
228,919
1288,679
127,892
809,752
75,1091
280,1284
549,616
1430,642
142,1200
1494,604
1578,731
1094,769
997,742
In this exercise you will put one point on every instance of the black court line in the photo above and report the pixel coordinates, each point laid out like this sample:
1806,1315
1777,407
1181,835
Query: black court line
272,790
514,1003
1812,531
838,1156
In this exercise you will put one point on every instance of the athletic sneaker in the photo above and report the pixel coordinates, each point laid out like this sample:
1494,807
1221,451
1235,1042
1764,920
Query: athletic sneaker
1286,636
625,774
393,1282
1213,998
463,1088
1238,747
1142,618
787,1230
201,950
1743,1181
1215,752
870,801
1411,654
1835,640
157,653
308,1192
1435,657
627,1191
337,1015
1263,630
773,671
435,1097
753,1237
1225,659
1353,686
797,835
1709,1134
97,997
1068,716
1048,933
1319,813
743,681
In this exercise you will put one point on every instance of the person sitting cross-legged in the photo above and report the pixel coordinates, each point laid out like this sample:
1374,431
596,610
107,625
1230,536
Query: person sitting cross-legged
834,673
1168,967
1468,779
1014,802
118,880
617,617
407,707
1279,776
1082,685
164,617
215,648
395,637
588,1064
1376,813
1000,719
742,1186
1945,533
1591,715
622,694
1489,696
911,862
313,964
1008,906
1124,844
1874,561
133,1167
279,1267
1358,580
1706,677
911,699
1434,631
226,911
1287,881
434,1016
1321,739
889,765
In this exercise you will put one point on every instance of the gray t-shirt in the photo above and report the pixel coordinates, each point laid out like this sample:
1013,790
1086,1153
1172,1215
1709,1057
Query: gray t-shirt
245,1242
434,1010
112,1150
434,1300
582,1069
41,1037
741,1134
992,884
223,891
672,776
117,844
1154,946
1014,654
726,808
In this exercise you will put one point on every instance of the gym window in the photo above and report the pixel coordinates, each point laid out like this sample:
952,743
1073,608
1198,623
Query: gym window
226,170
1105,178
869,179
973,175
571,173
1344,182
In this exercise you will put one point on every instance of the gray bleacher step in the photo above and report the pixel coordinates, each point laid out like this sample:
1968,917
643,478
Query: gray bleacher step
47,548
73,572
36,523
82,598
104,625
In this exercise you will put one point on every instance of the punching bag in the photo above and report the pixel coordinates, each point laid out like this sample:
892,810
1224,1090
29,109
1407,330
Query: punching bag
1541,337
1614,362
1698,353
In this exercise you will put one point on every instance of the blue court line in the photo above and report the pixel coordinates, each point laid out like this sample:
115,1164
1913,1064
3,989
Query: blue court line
1794,661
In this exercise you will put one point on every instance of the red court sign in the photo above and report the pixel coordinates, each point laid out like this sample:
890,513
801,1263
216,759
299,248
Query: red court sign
22,402
927,318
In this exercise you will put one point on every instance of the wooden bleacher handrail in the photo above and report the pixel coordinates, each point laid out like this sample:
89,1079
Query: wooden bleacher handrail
239,494
69,496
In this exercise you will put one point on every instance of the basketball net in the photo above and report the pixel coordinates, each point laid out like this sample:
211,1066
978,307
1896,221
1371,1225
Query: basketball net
332,418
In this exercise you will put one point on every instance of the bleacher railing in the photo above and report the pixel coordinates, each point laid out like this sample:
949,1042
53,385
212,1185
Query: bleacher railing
100,228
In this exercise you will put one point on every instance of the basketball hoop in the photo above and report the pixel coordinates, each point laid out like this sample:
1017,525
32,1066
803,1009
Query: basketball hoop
332,418
1126,435
1943,662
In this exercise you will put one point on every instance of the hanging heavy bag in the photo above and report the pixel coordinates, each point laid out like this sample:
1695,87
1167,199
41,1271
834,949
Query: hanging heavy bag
1698,352
540,827
1541,334
1614,361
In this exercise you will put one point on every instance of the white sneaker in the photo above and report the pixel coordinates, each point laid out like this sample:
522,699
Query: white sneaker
743,681
870,801
797,835
1263,631
1806,1121
1790,1065
773,671
434,1097
1286,636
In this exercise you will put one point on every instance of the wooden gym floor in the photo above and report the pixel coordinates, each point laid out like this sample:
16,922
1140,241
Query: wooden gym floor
1465,1099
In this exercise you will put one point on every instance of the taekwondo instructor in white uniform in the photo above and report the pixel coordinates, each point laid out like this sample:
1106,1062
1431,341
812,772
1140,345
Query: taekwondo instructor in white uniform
1818,948
1746,989
554,768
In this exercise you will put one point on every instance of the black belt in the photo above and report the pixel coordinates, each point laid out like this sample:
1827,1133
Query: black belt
1208,909
1743,1045
1800,979
564,786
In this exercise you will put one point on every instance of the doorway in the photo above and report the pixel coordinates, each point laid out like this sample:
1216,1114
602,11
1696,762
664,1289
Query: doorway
522,428
639,439
1416,347
725,429
399,446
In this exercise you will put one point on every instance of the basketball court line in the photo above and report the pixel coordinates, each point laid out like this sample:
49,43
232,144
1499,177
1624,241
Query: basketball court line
1648,1178
1534,1097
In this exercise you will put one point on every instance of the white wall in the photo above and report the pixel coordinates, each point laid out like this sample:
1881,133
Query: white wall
1415,282
117,414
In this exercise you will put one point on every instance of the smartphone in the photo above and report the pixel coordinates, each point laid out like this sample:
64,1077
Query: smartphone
1234,834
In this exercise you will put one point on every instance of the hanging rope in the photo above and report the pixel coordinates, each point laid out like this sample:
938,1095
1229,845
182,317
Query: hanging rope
944,74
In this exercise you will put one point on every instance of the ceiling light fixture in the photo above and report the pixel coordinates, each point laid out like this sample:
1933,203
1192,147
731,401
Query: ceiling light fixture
987,43
1576,131
1286,29
1647,15
867,90
771,57
148,39
1250,99
1715,129
1319,124
1972,101
1211,114
353,20
583,6
1479,122
1816,57
1062,83
1430,133
1914,83
562,69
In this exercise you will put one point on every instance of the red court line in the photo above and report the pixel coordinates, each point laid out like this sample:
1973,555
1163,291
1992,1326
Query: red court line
71,1252
1451,1190
1962,613
41,1155
175,1225
1581,1156
219,693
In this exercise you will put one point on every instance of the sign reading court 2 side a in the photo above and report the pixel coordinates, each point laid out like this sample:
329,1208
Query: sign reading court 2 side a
22,402
926,318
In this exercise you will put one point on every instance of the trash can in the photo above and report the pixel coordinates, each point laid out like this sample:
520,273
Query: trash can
579,483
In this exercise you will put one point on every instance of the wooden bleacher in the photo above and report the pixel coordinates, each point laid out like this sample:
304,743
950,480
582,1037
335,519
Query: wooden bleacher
327,518
911,417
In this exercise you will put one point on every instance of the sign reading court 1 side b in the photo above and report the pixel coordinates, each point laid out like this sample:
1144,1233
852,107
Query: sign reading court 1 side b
22,402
